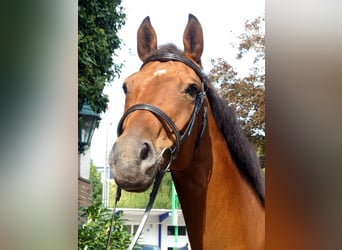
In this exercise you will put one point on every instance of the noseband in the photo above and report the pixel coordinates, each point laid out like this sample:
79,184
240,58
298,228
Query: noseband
164,118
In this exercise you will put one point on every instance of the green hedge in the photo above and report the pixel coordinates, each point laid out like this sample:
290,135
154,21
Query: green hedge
93,229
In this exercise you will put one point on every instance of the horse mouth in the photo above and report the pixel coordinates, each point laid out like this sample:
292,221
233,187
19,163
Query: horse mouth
127,186
135,182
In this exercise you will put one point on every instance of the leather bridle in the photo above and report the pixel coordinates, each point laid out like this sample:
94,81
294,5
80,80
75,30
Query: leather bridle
164,118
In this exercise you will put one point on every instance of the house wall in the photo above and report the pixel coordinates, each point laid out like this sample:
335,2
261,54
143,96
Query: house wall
84,164
155,229
84,186
84,192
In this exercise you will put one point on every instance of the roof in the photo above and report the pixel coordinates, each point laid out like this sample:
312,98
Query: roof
156,215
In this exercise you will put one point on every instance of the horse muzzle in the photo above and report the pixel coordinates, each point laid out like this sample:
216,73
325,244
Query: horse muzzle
134,163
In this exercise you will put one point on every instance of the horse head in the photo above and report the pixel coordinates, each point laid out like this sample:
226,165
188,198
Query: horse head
161,99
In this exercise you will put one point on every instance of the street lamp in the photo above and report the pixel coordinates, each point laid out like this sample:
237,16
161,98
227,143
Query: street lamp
87,122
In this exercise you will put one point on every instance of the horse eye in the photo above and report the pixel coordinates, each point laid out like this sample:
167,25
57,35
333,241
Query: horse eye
124,88
192,90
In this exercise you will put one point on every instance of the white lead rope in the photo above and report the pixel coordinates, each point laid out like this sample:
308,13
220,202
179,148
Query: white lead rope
117,198
148,209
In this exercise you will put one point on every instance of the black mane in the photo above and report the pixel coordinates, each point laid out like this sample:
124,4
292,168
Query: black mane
241,150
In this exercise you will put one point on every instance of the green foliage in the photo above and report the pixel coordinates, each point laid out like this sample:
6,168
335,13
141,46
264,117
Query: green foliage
140,200
98,24
95,180
93,229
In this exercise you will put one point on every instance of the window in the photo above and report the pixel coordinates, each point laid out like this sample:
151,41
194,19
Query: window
135,228
171,230
131,229
179,248
127,228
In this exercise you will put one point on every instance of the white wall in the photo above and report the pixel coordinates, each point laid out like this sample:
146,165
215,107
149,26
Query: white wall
150,231
85,164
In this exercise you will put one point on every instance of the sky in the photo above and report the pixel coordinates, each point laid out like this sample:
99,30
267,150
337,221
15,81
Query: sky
222,22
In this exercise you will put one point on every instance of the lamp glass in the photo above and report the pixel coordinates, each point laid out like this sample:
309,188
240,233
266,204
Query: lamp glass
87,122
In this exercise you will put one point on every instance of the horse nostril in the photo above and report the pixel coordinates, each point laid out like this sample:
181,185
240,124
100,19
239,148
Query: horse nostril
144,151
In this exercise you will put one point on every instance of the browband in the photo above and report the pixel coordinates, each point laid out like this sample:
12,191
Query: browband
164,57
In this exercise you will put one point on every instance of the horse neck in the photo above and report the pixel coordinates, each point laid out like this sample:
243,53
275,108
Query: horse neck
220,208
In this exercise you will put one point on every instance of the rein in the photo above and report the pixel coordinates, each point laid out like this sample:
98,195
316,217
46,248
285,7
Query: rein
164,118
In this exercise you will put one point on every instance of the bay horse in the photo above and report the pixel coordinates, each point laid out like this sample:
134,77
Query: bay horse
173,116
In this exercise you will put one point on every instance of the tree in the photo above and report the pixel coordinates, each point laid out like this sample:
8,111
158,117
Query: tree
95,180
140,200
98,24
93,229
253,39
246,94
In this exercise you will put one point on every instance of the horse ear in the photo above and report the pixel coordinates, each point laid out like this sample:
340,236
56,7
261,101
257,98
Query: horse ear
193,40
147,39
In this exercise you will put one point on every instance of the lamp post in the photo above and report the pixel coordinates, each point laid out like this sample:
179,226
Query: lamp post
87,122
